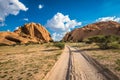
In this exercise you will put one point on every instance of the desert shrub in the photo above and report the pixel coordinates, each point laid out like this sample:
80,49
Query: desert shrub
114,45
96,39
51,41
2,44
60,45
102,45
118,64
47,45
105,42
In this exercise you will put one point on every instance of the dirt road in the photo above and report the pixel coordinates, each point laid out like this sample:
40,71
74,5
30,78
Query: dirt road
76,65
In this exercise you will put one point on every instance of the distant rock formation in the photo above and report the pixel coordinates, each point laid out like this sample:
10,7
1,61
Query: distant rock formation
34,31
99,28
29,33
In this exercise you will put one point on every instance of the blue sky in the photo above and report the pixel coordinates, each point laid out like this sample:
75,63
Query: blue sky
76,12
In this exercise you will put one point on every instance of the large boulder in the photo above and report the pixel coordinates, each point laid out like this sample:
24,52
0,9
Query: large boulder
10,38
34,31
99,28
29,33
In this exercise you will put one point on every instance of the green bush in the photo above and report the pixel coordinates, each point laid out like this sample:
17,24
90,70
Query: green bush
114,45
103,45
105,42
60,45
118,64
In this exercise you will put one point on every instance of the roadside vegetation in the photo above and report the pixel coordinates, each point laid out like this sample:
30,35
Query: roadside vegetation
105,42
59,45
118,65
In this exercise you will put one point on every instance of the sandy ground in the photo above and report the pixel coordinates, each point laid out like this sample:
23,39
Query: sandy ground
76,65
109,58
82,69
31,62
59,71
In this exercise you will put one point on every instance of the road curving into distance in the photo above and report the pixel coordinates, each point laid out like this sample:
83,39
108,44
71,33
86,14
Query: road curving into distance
74,64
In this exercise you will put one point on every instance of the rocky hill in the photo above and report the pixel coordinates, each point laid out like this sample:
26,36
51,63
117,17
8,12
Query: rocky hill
29,33
99,28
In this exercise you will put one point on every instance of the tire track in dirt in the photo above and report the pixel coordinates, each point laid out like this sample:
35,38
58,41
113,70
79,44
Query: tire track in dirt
61,68
76,65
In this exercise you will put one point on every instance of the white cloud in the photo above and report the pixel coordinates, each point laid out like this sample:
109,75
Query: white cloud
8,30
26,19
2,24
16,28
12,7
57,36
40,6
1,19
60,24
114,18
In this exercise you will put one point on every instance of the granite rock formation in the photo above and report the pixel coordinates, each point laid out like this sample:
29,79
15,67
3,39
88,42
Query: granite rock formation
99,28
29,33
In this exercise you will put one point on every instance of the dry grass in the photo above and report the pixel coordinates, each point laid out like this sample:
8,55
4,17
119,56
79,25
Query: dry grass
108,58
31,62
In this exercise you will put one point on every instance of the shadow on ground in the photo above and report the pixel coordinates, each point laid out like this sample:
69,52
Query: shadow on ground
50,50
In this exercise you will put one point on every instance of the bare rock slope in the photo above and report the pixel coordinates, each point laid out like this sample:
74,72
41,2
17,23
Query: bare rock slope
99,28
30,32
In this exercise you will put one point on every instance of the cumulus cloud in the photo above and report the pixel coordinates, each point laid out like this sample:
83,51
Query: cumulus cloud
114,18
2,23
1,19
40,6
12,7
8,30
16,28
26,19
60,24
57,36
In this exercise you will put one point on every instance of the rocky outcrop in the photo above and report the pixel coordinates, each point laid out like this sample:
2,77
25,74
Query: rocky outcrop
99,28
34,31
10,38
29,33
